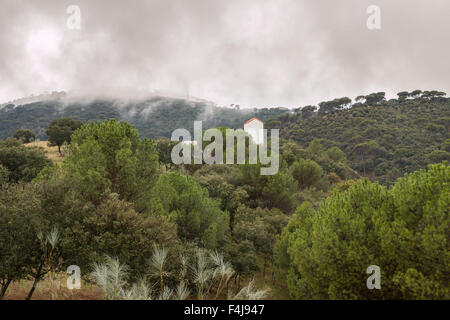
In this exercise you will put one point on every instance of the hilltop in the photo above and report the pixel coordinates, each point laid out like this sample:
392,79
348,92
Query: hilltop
381,139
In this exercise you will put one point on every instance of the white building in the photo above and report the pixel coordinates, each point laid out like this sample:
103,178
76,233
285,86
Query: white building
255,128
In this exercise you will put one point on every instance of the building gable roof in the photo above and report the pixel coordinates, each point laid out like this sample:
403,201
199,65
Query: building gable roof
253,119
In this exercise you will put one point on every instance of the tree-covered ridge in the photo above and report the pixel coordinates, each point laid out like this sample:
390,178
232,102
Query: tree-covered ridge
154,117
382,139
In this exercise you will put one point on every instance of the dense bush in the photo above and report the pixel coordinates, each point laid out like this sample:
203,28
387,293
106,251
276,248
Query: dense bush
186,203
24,135
21,163
404,230
306,172
110,156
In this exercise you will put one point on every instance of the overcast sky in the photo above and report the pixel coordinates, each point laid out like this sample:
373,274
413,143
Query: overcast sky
250,52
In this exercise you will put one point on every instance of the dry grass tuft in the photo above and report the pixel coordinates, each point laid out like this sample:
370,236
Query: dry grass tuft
53,289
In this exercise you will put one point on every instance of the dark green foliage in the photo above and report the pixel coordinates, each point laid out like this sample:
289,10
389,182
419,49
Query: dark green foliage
291,151
403,95
119,195
404,230
336,154
446,145
329,107
186,203
110,156
273,191
86,232
375,98
60,130
307,173
4,175
235,185
18,221
242,256
261,227
115,229
154,117
438,156
381,139
316,166
223,182
164,147
20,163
24,135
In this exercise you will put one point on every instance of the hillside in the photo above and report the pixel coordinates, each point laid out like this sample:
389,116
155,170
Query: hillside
154,117
125,203
381,139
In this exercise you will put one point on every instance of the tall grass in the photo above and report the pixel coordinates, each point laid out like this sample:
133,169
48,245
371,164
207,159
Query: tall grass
250,292
157,263
111,276
209,275
202,273
139,291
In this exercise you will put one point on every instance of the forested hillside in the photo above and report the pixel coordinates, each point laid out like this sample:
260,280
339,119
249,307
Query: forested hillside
140,226
381,139
155,117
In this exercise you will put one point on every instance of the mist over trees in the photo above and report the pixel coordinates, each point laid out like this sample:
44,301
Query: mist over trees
154,117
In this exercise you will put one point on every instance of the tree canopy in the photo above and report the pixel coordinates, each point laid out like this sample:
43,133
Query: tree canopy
60,131
25,135
403,230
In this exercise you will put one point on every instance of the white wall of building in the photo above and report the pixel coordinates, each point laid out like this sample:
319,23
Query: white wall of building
255,128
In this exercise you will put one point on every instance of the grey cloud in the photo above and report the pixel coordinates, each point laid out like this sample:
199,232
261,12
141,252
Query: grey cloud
249,52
